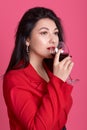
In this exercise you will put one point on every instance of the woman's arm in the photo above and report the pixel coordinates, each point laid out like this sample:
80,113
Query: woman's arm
52,107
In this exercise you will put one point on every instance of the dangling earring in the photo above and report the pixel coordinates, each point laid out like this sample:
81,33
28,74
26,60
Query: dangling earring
27,47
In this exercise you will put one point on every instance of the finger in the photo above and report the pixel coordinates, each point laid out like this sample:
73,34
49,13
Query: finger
67,63
63,62
70,66
56,59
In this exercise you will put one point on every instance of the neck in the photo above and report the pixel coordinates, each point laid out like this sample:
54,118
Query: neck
37,63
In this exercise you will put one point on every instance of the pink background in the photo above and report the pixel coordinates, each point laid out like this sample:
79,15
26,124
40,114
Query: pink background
74,16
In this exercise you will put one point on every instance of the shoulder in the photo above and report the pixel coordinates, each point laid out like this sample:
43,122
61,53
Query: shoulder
13,74
15,77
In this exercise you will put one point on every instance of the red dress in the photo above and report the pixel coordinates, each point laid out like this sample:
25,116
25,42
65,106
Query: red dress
34,104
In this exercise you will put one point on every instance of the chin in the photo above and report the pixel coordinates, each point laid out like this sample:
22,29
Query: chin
49,57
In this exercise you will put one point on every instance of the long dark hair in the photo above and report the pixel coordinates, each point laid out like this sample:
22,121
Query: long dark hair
20,58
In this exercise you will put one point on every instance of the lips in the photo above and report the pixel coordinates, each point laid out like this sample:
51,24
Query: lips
51,49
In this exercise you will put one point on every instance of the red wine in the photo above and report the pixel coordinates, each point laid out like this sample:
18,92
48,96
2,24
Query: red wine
62,56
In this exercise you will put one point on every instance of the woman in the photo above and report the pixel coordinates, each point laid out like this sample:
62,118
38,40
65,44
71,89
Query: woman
37,97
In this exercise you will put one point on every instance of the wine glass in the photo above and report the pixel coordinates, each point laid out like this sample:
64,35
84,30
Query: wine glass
62,45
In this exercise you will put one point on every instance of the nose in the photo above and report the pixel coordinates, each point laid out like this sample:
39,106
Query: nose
53,39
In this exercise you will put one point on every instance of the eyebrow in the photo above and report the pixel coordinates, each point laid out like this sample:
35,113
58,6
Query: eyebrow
46,28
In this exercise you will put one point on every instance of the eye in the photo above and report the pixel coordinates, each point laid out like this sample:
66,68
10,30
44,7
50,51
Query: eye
43,33
56,33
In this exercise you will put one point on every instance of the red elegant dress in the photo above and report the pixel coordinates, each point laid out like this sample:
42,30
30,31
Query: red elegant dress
34,104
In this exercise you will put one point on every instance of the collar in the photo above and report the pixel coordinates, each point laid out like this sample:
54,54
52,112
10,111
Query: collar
33,75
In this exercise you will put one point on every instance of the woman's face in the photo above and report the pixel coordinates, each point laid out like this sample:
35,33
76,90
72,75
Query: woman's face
43,38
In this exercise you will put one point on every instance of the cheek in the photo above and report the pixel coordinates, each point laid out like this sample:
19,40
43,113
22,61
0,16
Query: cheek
57,41
39,41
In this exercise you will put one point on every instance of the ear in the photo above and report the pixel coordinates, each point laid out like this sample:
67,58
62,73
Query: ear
27,42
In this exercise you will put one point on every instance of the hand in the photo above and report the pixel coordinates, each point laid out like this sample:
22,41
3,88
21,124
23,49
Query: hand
62,69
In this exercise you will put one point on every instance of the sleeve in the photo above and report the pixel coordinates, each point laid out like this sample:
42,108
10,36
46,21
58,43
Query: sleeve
66,93
53,106
66,90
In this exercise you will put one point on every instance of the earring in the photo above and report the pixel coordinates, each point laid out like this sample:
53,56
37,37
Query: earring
27,47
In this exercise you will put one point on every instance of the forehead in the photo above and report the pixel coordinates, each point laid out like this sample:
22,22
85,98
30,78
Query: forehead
45,22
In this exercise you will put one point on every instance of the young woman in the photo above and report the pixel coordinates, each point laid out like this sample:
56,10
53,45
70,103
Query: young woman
38,97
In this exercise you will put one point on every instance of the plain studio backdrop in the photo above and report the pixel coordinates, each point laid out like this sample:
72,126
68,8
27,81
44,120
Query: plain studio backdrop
74,19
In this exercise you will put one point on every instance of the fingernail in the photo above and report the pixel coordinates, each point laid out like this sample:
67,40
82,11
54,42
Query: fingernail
62,51
56,49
